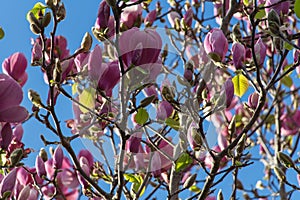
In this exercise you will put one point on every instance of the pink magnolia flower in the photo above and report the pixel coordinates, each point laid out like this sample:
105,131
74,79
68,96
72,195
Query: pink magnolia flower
216,44
150,18
8,182
133,143
172,16
156,164
164,110
229,92
58,156
40,167
81,60
238,54
253,100
290,123
11,96
140,47
110,77
6,135
282,7
151,90
15,66
188,17
131,16
87,154
103,15
260,51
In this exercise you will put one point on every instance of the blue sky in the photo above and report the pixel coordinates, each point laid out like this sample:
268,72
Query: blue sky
80,18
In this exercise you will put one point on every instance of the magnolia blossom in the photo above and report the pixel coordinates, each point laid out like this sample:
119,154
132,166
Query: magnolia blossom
140,47
11,96
172,16
216,44
238,54
164,110
131,16
290,123
260,51
15,66
282,7
150,18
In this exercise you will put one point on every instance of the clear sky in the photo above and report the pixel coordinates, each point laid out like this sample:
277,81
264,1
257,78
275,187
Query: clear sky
80,18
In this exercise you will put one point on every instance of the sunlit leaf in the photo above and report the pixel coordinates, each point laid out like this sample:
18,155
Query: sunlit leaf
132,178
74,88
141,117
241,84
182,162
297,8
288,46
173,123
260,14
195,189
87,98
287,81
37,8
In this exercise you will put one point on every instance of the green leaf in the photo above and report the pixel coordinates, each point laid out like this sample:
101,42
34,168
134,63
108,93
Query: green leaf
195,189
87,98
141,117
182,162
297,8
173,123
288,46
74,88
287,81
1,33
241,84
260,14
132,178
38,7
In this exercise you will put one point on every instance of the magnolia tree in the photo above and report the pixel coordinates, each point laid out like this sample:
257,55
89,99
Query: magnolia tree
177,99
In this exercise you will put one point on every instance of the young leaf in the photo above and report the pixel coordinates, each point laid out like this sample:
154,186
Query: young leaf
297,8
174,124
141,117
38,7
241,84
182,162
87,98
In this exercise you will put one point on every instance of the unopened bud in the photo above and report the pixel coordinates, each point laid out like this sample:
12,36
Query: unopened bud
43,154
40,167
220,195
86,43
190,181
58,156
35,98
145,102
35,29
111,3
196,137
57,71
285,160
25,192
49,3
32,19
241,144
279,173
177,24
16,156
61,12
232,126
273,17
46,19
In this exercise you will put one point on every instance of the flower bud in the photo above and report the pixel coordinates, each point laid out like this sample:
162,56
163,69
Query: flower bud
279,173
285,160
133,143
49,3
33,20
164,110
46,20
260,51
273,17
216,44
61,12
253,100
190,181
35,29
58,156
188,72
145,102
177,24
188,17
86,43
238,55
241,144
57,71
40,167
16,156
35,98
150,18
229,91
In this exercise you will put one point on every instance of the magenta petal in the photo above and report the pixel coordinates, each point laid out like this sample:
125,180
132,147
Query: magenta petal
95,64
10,92
13,114
6,136
8,182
